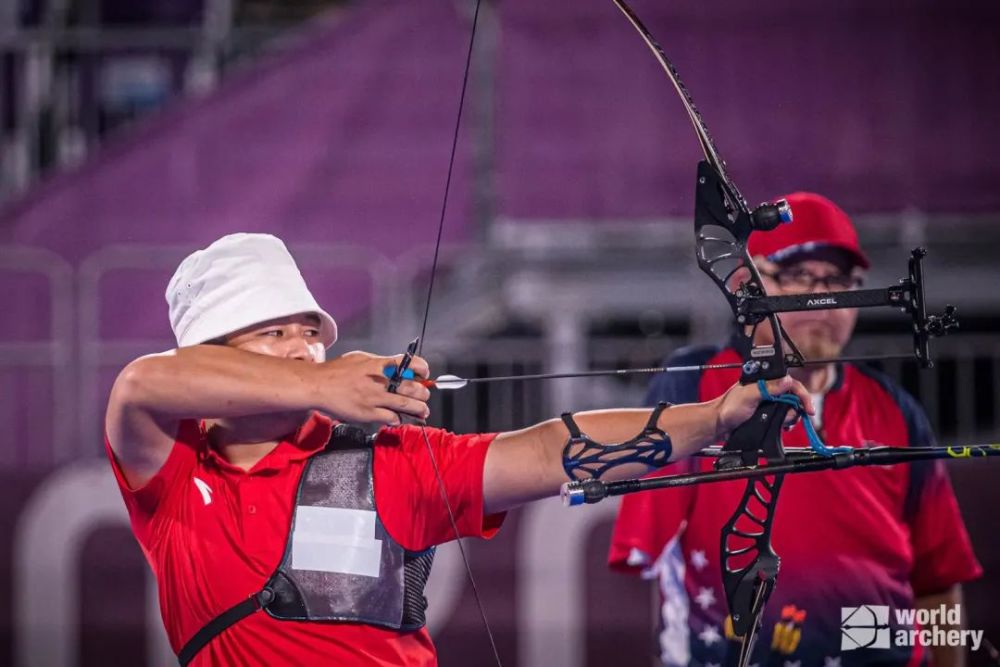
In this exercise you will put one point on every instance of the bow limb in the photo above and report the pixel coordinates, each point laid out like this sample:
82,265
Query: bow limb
704,138
723,223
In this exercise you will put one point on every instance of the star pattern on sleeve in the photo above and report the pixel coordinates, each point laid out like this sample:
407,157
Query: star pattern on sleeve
710,635
698,559
705,598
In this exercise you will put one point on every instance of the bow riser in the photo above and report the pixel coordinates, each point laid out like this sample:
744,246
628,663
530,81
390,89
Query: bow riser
749,564
723,225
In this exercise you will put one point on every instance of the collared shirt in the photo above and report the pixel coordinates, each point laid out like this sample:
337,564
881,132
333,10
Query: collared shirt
879,535
213,533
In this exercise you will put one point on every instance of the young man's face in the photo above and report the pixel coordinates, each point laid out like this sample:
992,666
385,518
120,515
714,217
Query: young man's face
294,337
817,333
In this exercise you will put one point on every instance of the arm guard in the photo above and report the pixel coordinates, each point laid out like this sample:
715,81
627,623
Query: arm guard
583,458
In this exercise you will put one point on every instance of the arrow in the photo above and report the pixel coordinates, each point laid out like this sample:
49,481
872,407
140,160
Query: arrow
456,382
451,382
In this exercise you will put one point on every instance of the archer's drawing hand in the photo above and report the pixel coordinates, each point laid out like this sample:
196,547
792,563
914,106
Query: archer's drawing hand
739,403
352,388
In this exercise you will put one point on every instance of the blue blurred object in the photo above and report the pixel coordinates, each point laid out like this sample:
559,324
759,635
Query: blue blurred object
389,371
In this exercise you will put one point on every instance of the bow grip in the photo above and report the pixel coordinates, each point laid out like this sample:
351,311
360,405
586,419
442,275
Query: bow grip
749,564
758,436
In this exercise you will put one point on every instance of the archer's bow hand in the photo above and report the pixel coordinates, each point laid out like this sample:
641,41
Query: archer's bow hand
352,388
740,402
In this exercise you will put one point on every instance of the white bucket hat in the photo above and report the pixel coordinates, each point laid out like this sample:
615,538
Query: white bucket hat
238,281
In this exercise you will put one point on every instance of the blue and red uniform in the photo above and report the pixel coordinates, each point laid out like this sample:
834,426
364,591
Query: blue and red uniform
870,535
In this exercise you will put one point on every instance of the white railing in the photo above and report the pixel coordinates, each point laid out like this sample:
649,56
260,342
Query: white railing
37,402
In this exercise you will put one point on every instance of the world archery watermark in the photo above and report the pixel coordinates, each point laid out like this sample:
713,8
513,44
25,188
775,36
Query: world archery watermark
868,626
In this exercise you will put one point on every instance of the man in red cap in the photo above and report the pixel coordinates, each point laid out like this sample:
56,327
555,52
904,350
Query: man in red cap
889,536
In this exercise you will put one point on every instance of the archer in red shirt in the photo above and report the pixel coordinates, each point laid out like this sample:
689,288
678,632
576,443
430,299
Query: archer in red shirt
235,487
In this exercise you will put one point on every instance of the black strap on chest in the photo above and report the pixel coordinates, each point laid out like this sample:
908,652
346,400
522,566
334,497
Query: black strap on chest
217,625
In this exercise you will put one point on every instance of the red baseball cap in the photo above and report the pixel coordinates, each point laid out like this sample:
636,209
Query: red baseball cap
817,223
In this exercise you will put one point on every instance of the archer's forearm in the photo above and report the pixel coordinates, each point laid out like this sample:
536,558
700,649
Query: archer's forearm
213,381
526,465
691,426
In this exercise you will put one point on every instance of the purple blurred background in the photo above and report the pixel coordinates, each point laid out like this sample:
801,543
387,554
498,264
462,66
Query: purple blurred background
134,133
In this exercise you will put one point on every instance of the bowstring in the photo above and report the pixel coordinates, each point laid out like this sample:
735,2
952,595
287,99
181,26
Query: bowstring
423,331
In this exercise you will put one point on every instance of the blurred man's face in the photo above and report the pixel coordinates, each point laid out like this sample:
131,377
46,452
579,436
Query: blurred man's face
817,333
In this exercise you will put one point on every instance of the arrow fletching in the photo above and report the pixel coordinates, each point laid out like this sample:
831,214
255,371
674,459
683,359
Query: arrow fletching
449,382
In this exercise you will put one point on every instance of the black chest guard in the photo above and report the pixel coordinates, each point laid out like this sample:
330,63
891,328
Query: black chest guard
339,564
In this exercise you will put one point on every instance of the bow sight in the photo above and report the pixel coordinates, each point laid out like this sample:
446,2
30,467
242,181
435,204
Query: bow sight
908,296
723,225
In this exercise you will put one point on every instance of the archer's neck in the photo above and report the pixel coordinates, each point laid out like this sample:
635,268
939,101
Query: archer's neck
244,441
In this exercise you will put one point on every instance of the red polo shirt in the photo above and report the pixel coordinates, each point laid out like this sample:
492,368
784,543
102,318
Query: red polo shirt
213,533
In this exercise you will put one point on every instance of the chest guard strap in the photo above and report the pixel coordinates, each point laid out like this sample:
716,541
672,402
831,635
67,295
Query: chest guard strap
340,563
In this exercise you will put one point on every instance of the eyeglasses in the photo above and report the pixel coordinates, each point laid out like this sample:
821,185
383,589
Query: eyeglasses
800,279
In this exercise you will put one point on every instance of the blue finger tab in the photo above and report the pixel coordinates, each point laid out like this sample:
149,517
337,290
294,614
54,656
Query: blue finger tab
389,371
